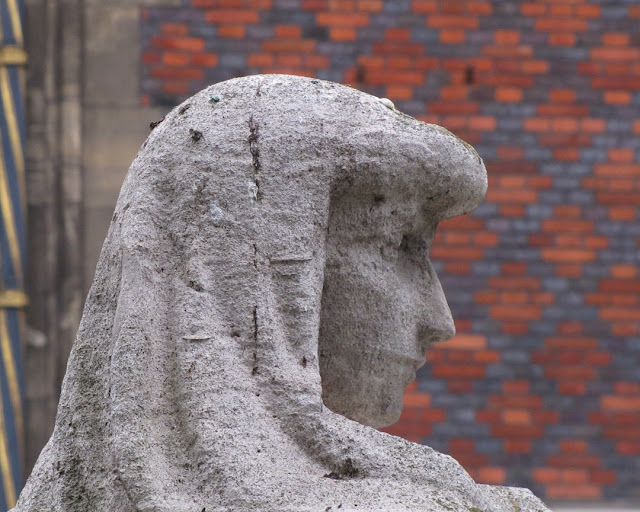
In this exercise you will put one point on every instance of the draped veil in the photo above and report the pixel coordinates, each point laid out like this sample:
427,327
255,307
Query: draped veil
193,383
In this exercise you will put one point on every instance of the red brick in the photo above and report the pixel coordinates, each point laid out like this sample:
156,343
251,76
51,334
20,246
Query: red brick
540,240
462,445
556,109
482,8
615,39
566,460
569,387
175,73
463,341
620,285
417,400
458,268
176,59
628,447
510,153
334,19
533,9
492,475
620,403
369,5
293,61
546,475
315,5
569,372
560,25
523,432
508,37
562,39
617,97
570,211
483,123
562,96
516,387
516,417
175,29
622,433
486,239
574,476
371,61
288,31
451,370
398,62
397,48
194,44
561,10
487,416
260,60
151,57
574,491
512,196
289,46
569,226
205,60
615,54
341,5
452,36
342,34
514,282
625,329
231,16
624,271
573,446
465,253
515,312
424,6
570,343
232,31
512,210
599,358
459,22
398,34
593,125
515,52
458,386
487,356
537,124
316,61
442,107
588,11
177,87
564,124
600,476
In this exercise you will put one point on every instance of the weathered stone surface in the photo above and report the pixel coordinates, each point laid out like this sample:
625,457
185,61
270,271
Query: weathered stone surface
267,249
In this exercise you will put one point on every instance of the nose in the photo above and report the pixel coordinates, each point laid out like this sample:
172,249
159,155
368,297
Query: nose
436,323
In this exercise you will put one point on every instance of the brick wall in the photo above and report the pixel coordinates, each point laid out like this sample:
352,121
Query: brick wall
541,387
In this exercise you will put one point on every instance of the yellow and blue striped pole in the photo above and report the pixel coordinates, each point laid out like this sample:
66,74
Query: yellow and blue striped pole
12,247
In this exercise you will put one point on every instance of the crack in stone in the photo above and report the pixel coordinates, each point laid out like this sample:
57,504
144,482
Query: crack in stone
255,154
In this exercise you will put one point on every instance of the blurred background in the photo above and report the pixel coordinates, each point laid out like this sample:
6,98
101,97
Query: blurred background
541,386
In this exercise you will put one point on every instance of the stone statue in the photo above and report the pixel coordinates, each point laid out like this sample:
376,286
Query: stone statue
265,282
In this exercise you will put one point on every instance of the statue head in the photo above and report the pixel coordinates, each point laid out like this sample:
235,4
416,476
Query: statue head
382,303
265,281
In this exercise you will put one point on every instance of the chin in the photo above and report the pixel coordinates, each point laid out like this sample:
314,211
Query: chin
387,413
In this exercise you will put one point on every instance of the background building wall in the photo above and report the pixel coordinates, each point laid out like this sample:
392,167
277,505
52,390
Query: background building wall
541,387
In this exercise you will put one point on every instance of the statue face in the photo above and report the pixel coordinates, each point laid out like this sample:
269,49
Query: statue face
382,305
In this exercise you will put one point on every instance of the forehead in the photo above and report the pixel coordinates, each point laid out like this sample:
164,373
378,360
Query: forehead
418,168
